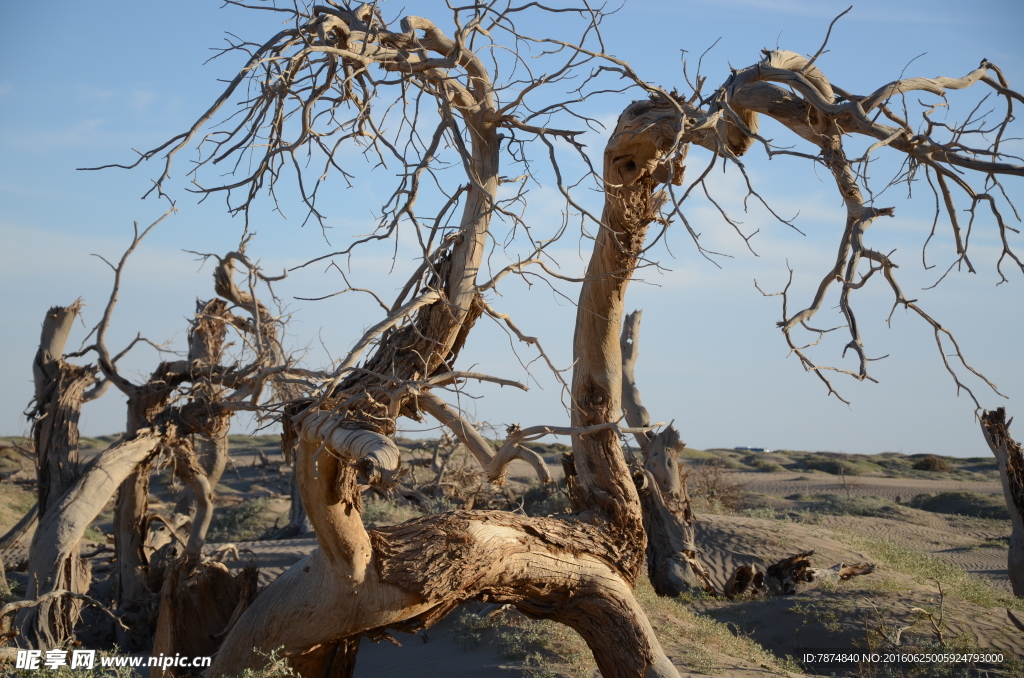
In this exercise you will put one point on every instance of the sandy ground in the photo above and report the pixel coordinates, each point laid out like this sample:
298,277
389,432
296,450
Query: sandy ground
829,620
817,619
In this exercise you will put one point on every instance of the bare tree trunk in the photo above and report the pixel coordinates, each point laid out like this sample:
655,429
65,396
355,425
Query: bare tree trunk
672,561
56,539
136,602
198,603
578,571
205,351
59,393
1007,451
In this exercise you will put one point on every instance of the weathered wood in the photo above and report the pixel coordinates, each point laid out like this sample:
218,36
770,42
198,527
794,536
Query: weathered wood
21,528
673,563
745,580
55,543
578,571
1007,451
59,393
199,603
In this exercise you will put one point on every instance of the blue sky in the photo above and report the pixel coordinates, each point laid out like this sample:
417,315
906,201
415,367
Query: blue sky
119,75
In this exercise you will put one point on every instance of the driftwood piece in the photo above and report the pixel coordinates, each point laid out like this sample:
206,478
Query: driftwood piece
784,577
1007,451
745,580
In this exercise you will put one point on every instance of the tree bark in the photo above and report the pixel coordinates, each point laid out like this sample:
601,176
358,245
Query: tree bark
205,351
59,393
199,602
136,601
1007,451
56,540
60,389
297,516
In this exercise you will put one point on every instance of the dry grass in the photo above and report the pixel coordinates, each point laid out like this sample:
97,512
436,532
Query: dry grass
704,640
926,568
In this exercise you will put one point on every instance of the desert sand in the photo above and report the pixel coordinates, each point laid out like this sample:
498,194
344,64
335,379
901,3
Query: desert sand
703,636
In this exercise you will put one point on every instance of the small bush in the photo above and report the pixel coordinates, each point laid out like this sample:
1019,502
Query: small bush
712,492
855,505
541,501
835,466
241,522
760,464
381,512
963,504
276,667
932,463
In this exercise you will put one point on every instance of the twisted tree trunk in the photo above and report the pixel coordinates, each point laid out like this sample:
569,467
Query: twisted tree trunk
1010,458
137,600
206,352
60,389
578,570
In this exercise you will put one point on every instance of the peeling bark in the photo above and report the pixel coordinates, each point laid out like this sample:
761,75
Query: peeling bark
1007,451
206,352
59,393
149,402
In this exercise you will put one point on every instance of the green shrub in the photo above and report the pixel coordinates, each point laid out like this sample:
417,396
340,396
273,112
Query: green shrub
855,505
241,522
963,504
834,466
541,501
932,463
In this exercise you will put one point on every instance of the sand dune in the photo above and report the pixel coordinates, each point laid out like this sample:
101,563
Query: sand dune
784,484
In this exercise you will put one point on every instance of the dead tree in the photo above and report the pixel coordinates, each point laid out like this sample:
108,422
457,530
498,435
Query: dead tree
205,350
210,393
325,72
577,570
182,399
673,563
61,388
1007,451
